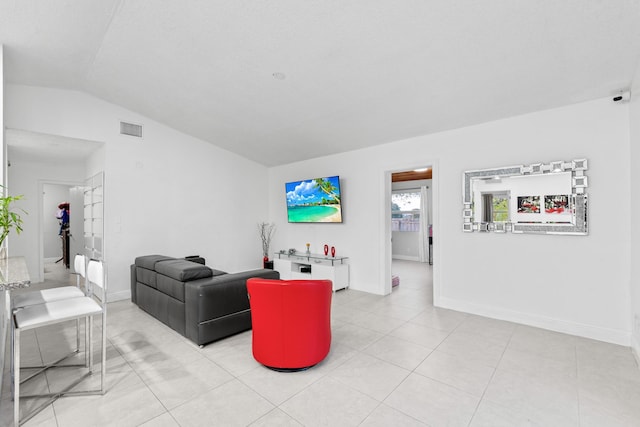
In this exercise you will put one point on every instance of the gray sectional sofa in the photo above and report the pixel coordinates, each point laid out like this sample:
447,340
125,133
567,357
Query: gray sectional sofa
200,303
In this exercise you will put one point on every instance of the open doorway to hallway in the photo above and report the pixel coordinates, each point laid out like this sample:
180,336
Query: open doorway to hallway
411,225
38,159
59,243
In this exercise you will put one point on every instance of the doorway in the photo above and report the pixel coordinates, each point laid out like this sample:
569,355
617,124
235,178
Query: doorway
55,241
411,221
38,159
410,225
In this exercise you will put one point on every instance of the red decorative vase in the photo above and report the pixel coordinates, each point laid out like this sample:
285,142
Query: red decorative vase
333,251
326,250
265,260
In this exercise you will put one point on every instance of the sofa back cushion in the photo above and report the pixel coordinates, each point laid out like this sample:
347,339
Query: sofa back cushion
149,261
173,274
145,268
183,270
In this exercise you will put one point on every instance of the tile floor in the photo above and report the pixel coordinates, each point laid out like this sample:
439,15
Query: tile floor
394,361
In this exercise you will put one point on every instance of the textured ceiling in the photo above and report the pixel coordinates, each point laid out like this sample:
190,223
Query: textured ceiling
358,73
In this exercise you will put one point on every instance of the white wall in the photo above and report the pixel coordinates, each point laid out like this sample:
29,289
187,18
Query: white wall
575,284
5,316
634,283
168,194
3,145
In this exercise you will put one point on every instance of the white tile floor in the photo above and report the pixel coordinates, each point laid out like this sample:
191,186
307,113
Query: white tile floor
394,361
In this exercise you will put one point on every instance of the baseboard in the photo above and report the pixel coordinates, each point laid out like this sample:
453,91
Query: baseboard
119,296
635,348
4,326
558,325
405,257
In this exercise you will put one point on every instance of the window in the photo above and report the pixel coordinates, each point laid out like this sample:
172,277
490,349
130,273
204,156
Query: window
405,210
495,207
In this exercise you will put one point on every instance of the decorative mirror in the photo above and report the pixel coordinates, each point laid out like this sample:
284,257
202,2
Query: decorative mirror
540,198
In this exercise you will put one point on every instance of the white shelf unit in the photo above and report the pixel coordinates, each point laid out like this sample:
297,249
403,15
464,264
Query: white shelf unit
313,266
94,217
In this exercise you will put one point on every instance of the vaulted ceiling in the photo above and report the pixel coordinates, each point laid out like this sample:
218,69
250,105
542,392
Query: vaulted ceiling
285,80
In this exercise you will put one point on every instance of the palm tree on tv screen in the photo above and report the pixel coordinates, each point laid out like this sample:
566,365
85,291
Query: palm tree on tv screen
328,188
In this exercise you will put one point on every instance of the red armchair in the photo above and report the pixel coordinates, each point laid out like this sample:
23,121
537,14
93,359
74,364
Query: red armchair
291,321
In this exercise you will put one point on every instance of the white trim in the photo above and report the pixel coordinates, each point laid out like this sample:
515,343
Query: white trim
406,258
119,296
635,348
385,233
385,217
558,325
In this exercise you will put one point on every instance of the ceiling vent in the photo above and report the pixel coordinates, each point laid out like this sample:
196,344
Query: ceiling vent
131,129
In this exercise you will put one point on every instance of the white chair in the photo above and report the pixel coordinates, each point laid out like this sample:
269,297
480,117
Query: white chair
39,315
26,299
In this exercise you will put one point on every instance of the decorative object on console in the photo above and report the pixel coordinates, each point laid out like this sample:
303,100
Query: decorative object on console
333,251
326,250
308,250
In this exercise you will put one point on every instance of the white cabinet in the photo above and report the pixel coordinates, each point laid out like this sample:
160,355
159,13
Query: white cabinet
312,266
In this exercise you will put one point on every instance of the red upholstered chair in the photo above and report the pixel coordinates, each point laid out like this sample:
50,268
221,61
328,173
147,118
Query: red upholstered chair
291,322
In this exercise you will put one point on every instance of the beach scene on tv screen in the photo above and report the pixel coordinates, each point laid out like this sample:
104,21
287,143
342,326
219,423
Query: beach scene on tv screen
314,200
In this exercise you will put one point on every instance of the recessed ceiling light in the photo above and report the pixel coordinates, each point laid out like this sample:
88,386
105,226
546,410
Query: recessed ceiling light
279,76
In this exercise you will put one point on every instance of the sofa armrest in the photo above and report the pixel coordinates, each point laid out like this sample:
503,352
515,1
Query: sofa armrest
218,296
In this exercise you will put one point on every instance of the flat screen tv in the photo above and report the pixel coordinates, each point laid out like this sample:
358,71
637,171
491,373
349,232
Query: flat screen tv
314,200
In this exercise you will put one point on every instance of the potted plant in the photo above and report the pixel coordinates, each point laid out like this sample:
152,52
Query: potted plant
266,230
9,219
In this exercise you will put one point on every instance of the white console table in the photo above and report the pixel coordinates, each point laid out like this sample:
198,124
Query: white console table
313,266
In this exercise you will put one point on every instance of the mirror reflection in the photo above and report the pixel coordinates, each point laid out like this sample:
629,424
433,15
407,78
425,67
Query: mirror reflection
540,198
